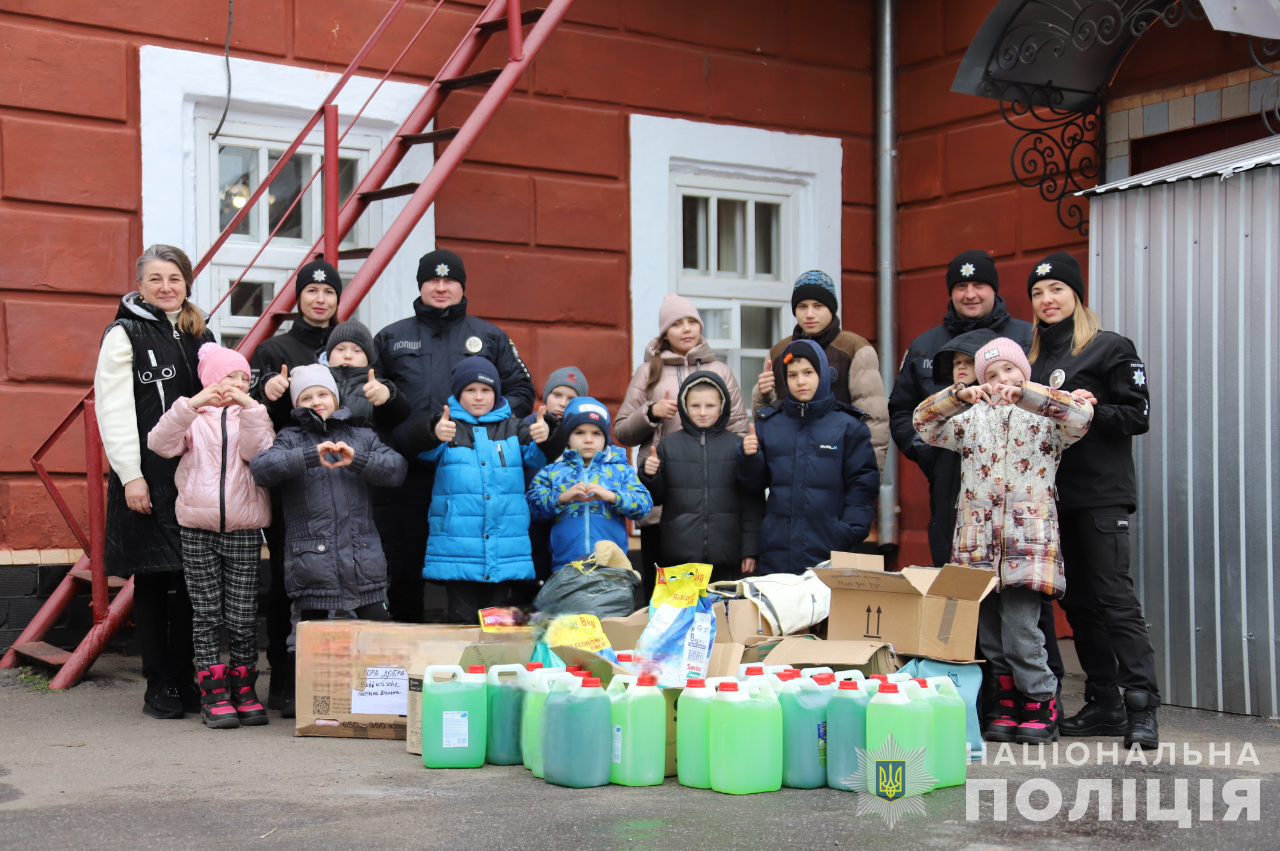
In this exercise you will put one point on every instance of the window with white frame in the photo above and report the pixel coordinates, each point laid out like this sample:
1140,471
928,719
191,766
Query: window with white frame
193,184
728,217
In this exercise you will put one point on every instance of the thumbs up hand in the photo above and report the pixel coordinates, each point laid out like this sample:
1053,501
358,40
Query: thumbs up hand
540,431
765,382
375,391
750,443
651,464
277,385
446,428
665,409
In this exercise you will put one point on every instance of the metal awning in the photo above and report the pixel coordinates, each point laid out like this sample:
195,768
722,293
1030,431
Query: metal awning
1059,53
1259,154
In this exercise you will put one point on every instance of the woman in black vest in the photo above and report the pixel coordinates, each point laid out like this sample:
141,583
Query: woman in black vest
147,360
1097,492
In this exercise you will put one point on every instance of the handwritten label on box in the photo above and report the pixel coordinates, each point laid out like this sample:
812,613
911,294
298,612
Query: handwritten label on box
386,692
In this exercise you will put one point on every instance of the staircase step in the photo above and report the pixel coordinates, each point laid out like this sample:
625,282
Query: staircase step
480,78
500,24
390,192
45,653
113,582
355,253
427,138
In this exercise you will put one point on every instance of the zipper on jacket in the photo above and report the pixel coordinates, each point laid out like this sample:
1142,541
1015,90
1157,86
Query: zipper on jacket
587,513
706,499
159,381
222,481
502,456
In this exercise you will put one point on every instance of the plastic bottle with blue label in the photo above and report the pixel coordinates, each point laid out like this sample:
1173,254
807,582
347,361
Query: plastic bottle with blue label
951,757
576,735
746,739
846,733
639,745
804,733
506,710
455,717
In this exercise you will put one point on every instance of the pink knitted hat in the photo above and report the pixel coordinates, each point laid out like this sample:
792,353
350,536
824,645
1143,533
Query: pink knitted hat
1002,348
674,308
216,363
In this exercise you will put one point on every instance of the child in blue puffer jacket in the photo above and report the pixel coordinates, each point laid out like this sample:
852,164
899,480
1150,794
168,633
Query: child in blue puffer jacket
479,521
590,490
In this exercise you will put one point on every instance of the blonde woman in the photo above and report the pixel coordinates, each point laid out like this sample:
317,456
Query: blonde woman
147,360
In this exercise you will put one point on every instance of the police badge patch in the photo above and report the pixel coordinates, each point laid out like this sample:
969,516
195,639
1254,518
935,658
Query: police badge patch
1057,378
474,345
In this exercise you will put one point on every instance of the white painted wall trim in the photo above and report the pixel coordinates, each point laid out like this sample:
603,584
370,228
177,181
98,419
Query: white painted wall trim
180,86
814,163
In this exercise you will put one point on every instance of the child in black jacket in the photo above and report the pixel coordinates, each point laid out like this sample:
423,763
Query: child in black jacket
708,516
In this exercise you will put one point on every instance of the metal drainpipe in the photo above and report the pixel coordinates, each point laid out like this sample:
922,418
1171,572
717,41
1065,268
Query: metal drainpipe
886,249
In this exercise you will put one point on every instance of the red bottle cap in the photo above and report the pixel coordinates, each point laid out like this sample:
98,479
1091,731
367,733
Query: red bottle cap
788,676
884,678
475,669
581,674
824,679
590,682
848,684
647,680
795,671
731,686
573,668
695,683
755,671
533,666
888,688
920,681
626,657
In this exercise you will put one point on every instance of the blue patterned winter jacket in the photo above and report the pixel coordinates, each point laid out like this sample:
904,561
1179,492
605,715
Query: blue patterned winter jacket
579,525
479,518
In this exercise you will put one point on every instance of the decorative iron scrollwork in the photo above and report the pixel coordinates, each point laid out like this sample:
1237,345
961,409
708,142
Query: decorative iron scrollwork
1058,150
1270,48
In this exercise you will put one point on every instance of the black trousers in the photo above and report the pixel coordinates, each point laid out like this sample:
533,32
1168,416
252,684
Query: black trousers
650,559
1110,631
279,610
467,598
402,525
162,615
370,612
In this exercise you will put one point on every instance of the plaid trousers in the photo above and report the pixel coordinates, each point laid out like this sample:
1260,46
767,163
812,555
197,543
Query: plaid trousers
222,580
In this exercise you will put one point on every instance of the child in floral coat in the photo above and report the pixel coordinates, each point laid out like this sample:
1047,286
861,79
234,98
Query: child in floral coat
1010,434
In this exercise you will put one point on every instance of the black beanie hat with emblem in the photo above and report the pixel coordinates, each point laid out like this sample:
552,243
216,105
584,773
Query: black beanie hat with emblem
1059,266
318,272
442,263
973,265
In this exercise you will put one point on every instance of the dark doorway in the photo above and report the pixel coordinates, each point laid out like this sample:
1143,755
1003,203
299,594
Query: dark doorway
1168,148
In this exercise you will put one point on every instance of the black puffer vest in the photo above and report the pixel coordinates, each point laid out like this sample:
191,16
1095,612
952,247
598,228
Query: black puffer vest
164,368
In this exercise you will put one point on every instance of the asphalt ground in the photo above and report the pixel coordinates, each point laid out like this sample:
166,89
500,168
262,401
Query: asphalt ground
86,769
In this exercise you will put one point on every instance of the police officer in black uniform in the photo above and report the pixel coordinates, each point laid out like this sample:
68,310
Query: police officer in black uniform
1097,493
419,354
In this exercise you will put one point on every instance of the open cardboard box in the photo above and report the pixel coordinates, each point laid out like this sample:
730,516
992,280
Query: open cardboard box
335,658
740,621
920,611
624,633
869,657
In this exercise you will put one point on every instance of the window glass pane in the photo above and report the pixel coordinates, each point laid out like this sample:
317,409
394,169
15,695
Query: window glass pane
348,176
250,298
767,219
230,341
750,368
283,192
237,178
759,326
717,323
730,226
694,232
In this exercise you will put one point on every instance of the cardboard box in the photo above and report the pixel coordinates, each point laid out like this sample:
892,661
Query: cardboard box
740,621
488,654
335,659
624,633
869,657
921,611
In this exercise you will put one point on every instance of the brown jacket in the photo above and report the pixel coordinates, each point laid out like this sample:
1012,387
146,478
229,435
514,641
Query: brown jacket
857,381
632,426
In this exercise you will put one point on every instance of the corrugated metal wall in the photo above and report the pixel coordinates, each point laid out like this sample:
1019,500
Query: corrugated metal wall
1189,272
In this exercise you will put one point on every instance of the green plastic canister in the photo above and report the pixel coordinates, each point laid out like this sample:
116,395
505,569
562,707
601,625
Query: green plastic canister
639,715
746,739
455,717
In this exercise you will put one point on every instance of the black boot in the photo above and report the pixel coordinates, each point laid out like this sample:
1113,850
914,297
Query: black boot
1141,728
1103,715
161,699
1003,727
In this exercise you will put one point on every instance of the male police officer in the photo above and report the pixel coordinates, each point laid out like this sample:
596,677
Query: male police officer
419,354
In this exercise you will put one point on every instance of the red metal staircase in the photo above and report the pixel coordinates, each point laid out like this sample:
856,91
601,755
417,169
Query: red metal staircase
112,598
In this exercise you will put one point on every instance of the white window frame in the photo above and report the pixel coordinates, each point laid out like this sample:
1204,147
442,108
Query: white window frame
182,94
730,349
667,153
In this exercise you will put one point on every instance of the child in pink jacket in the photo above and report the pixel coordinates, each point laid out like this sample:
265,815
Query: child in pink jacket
222,512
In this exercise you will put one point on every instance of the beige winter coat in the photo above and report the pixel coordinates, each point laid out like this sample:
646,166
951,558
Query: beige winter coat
632,426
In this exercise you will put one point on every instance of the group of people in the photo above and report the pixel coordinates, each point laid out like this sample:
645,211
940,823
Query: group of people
372,463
